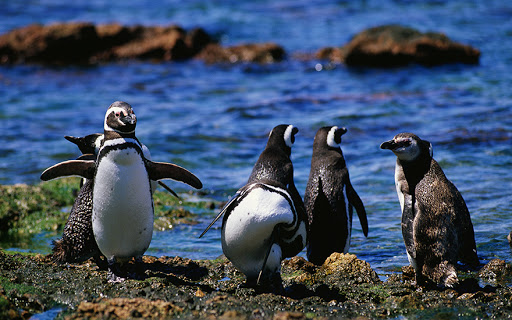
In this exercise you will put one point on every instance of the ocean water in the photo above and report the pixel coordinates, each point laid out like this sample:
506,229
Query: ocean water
215,119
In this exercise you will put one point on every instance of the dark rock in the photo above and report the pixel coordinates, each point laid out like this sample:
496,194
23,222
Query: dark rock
59,43
259,53
394,45
85,43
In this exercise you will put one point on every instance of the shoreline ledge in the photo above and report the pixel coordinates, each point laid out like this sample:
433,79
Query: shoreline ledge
343,287
84,43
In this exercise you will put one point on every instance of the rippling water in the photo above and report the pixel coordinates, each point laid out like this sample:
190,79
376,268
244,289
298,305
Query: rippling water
214,119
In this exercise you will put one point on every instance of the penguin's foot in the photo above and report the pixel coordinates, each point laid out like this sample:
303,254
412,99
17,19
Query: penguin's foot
450,279
113,278
115,274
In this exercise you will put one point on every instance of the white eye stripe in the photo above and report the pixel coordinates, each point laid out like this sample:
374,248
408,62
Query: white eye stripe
288,136
331,142
120,110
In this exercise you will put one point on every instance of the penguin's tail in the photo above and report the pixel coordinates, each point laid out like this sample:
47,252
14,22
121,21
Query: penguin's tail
59,251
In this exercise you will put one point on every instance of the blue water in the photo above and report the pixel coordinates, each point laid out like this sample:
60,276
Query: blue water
214,119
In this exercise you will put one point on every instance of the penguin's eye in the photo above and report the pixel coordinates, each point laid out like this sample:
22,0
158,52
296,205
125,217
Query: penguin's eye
118,114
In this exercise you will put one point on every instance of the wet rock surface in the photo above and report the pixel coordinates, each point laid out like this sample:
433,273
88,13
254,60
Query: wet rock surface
86,43
175,287
395,45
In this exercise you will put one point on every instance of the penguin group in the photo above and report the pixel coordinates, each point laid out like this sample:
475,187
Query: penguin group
266,220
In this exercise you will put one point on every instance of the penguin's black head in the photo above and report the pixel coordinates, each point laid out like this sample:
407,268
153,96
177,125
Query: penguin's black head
89,144
282,136
120,118
408,147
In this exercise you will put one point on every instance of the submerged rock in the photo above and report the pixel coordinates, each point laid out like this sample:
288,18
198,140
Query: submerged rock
395,45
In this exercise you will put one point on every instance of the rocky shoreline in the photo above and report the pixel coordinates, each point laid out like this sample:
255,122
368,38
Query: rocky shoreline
89,44
174,287
177,287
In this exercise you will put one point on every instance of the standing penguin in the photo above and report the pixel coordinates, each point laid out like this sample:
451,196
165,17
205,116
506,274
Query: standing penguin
265,221
330,198
436,225
77,243
122,216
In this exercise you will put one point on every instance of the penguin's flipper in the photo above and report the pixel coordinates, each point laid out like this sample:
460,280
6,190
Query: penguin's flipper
82,168
355,201
166,187
165,170
88,156
407,225
226,207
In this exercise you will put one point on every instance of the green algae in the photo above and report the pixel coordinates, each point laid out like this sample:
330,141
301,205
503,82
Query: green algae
26,210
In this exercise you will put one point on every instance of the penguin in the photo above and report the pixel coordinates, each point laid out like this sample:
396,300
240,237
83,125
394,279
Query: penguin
436,225
330,198
90,145
122,203
77,243
265,221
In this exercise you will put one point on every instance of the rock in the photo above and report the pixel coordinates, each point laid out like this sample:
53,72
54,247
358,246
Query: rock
124,308
59,43
395,45
509,238
496,270
85,43
347,266
259,53
178,287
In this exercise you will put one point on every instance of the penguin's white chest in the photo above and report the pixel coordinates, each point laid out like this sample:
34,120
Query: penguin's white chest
122,205
247,230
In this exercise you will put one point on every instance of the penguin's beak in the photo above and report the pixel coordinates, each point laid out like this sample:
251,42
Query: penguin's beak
391,145
129,119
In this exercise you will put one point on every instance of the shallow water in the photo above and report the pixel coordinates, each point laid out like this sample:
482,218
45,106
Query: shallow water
214,119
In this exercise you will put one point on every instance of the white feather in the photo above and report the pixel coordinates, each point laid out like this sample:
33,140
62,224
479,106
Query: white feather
288,134
122,205
250,225
330,138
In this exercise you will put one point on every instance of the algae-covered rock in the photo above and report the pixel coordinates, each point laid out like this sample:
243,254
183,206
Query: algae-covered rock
496,270
395,45
179,287
346,266
27,210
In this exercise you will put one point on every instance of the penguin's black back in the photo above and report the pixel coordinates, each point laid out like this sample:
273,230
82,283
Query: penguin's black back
325,200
